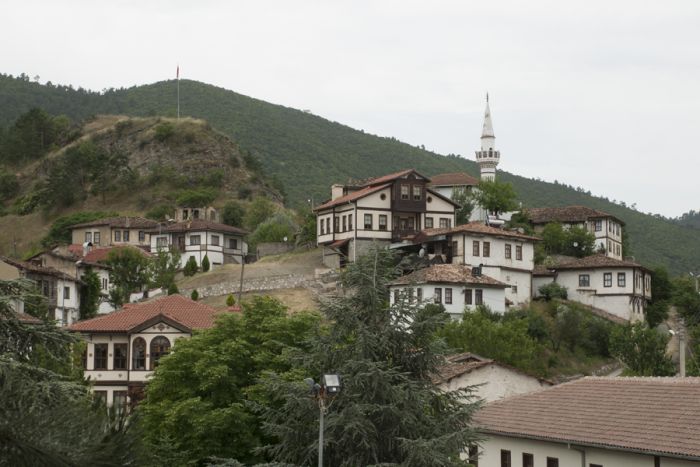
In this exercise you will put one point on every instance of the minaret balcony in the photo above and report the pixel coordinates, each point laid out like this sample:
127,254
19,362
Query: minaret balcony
490,154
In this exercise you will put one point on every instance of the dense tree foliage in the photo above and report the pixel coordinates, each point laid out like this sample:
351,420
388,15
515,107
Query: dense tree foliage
496,196
642,349
573,241
163,268
32,135
90,294
661,295
198,404
129,272
465,199
388,412
259,210
232,214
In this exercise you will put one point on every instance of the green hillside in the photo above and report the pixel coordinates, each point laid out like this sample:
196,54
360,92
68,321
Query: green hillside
308,153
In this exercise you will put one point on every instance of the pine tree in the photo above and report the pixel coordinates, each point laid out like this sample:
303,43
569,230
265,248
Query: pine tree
205,263
190,268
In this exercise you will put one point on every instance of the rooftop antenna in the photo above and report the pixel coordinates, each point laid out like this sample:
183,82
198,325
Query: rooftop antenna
177,76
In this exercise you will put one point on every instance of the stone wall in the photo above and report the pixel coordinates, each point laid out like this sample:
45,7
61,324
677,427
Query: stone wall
273,248
287,281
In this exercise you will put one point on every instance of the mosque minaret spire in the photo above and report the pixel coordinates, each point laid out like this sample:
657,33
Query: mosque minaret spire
487,157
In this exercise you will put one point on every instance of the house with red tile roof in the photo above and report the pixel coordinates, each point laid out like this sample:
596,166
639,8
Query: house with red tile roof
384,210
596,421
123,347
449,183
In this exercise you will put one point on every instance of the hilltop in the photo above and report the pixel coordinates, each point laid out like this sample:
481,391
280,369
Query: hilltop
307,153
136,166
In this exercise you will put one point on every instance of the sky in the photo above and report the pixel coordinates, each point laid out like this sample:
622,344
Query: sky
599,94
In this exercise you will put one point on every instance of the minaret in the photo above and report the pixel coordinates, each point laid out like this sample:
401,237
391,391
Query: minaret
488,157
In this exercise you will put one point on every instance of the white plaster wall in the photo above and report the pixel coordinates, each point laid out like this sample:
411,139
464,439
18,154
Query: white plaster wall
497,256
496,382
375,232
522,280
493,297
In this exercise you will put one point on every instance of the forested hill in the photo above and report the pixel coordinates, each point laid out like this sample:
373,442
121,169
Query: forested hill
309,153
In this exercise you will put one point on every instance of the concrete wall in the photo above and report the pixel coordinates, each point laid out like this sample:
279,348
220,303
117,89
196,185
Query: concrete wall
496,382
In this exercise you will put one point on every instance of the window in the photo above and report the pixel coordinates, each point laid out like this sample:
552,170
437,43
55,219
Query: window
505,458
454,248
161,242
487,249
478,297
100,357
119,361
404,191
552,462
396,295
195,214
88,237
126,235
142,236
382,222
419,294
417,193
195,240
119,402
475,248
336,224
138,354
160,346
514,289
428,222
508,251
528,460
96,238
607,279
474,456
598,225
328,225
438,295
349,221
322,224
117,235
100,397
45,286
595,465
215,240
368,221
584,280
621,279
184,214
519,252
345,224
66,293
105,283
233,243
468,297
445,223
83,358
448,296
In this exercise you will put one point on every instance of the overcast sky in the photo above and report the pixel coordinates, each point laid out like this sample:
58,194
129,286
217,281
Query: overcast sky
599,94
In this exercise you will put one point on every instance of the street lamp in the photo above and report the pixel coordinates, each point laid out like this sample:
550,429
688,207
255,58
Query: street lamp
329,388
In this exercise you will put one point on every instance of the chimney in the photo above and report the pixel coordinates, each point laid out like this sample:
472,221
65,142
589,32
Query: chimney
337,191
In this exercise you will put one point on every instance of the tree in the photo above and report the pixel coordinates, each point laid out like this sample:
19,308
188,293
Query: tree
90,294
205,264
194,415
164,266
686,298
496,197
48,417
642,350
232,214
60,230
194,295
573,241
259,210
130,272
553,290
389,412
230,300
191,267
661,294
465,199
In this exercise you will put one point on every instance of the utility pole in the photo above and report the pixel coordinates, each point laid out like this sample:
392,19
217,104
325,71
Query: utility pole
681,346
240,288
322,408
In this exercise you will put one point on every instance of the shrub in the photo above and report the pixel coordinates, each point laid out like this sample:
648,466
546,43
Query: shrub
9,186
205,263
553,290
230,300
233,212
160,212
190,268
172,289
164,131
196,198
194,295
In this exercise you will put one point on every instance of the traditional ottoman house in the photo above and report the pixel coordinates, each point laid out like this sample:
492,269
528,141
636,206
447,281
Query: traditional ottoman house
621,288
382,210
197,238
451,183
114,231
123,347
606,228
455,286
61,290
595,422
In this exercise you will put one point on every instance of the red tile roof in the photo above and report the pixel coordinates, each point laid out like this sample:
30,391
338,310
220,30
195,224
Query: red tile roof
566,214
355,195
463,363
388,178
448,273
596,261
659,416
453,179
182,310
120,222
193,225
474,228
99,255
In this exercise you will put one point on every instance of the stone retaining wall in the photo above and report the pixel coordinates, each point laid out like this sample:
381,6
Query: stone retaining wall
287,281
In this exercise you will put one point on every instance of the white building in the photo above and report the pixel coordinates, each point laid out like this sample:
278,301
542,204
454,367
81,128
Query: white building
606,228
452,285
197,238
123,347
383,210
505,255
449,184
60,289
595,422
491,380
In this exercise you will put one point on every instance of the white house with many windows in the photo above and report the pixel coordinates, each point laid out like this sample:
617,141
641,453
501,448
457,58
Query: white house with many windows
197,238
595,422
621,288
504,255
123,347
452,285
385,210
606,228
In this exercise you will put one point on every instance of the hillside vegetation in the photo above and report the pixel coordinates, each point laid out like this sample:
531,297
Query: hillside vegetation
307,153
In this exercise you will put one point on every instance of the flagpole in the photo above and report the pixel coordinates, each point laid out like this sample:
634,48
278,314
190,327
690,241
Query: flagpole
178,92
